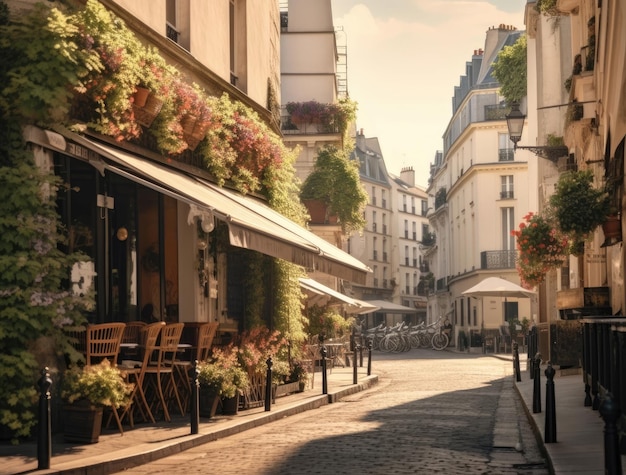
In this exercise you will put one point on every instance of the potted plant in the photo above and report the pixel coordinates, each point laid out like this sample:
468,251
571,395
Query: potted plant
335,183
299,374
221,379
578,206
86,392
541,247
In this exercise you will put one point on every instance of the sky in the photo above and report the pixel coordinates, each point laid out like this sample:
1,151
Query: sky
404,59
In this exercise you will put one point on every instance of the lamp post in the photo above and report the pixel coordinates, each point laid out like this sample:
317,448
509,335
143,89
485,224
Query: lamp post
515,123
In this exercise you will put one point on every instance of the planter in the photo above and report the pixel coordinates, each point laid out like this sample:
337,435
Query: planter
612,227
82,423
286,389
230,405
146,114
141,96
318,210
208,403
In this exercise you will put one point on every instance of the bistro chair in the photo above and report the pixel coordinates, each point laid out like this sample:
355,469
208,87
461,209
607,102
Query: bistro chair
206,335
129,348
160,375
103,342
136,371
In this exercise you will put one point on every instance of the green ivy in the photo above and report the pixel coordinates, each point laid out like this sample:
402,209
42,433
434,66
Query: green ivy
34,274
510,70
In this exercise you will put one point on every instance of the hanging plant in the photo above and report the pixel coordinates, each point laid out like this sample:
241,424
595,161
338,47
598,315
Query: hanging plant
541,248
578,207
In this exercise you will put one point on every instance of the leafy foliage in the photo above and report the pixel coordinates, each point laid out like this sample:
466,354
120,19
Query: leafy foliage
335,181
34,277
510,70
101,385
223,375
579,207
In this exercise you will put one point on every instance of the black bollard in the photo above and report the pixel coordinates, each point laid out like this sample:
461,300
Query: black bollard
44,436
518,374
550,427
268,385
354,369
610,412
369,358
195,400
324,375
360,345
537,384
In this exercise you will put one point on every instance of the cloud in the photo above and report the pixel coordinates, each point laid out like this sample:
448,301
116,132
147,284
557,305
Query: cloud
404,60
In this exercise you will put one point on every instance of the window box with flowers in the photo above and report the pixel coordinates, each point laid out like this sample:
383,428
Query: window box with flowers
542,247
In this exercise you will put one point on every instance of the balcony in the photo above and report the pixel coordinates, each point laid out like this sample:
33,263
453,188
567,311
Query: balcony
441,284
506,155
498,259
506,195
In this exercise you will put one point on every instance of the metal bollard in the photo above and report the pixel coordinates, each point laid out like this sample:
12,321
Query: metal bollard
268,385
354,368
518,374
324,375
369,358
610,412
195,400
550,426
536,384
44,436
360,345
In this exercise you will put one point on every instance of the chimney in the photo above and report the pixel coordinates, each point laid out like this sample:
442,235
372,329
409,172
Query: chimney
407,175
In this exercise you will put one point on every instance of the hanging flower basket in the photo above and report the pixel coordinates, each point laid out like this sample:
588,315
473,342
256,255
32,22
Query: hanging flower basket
141,96
145,115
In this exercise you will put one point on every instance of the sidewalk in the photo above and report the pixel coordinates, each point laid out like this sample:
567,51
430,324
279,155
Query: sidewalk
148,442
579,448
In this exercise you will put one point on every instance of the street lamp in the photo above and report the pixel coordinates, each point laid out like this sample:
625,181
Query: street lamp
515,123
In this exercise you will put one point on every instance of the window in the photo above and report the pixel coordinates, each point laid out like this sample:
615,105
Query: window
383,199
373,195
424,207
505,148
404,203
170,17
508,224
506,187
237,43
406,229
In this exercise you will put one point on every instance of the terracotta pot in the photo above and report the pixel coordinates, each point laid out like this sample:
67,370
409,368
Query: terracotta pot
319,213
612,227
82,422
141,96
145,115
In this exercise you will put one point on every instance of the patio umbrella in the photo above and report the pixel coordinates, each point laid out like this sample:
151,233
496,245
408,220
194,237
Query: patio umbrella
496,287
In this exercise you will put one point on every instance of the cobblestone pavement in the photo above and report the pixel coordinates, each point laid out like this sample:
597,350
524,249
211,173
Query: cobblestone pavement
432,412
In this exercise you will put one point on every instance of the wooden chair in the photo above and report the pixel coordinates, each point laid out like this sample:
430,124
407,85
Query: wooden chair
206,335
160,374
136,370
103,342
131,337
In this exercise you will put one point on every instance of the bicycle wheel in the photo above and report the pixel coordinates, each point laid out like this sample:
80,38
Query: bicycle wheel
440,341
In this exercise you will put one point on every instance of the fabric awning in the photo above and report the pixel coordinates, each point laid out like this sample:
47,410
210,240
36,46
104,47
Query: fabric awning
390,307
252,224
353,305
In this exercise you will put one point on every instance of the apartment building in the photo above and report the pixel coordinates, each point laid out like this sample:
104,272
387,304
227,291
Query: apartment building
478,192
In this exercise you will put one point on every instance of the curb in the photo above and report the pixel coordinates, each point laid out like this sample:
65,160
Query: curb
146,453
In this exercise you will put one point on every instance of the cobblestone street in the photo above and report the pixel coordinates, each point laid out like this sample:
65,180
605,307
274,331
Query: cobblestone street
432,412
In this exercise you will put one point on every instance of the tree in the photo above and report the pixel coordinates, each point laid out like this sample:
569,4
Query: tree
510,70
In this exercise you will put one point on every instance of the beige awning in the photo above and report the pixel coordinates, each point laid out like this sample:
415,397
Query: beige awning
252,224
353,305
